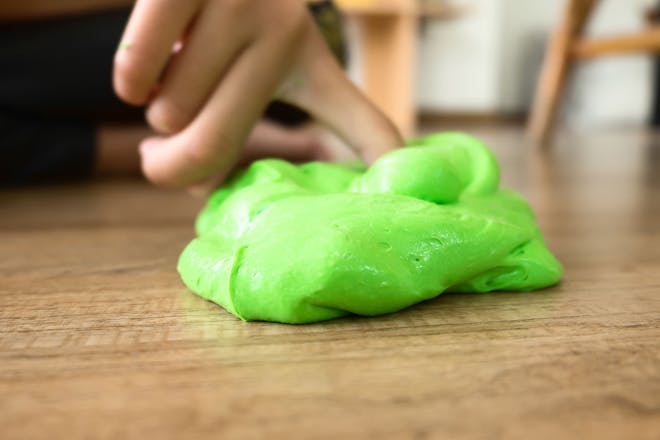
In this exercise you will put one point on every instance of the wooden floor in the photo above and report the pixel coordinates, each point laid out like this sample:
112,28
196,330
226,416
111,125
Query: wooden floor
100,339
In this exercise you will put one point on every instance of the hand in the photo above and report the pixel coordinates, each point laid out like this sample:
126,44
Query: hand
235,56
117,152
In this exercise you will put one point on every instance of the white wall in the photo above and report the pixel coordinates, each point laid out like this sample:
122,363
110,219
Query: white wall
458,62
488,61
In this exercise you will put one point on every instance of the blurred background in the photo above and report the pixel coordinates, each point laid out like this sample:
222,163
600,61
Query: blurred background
480,60
541,66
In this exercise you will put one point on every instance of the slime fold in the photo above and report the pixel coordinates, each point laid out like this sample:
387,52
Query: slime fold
305,243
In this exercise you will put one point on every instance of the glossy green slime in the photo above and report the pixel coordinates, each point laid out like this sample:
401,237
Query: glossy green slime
299,244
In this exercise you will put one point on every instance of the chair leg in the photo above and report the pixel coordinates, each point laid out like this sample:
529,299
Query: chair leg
556,65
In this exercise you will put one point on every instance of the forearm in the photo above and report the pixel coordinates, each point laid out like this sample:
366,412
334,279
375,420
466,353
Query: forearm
26,9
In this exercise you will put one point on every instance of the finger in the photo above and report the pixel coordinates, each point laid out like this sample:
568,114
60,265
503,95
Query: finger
324,90
207,186
198,67
268,140
211,142
152,31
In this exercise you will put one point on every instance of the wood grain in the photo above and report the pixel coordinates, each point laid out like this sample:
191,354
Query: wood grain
100,340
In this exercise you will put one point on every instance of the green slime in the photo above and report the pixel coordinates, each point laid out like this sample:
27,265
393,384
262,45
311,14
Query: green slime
304,243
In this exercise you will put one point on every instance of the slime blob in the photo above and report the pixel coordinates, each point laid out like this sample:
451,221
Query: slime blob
304,243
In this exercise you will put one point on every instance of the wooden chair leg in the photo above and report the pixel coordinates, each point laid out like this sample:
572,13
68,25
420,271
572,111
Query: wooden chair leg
556,65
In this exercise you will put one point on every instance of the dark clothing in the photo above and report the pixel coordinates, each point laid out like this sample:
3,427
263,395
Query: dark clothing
55,80
55,85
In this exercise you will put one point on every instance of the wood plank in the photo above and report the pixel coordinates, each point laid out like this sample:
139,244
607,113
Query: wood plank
645,41
100,340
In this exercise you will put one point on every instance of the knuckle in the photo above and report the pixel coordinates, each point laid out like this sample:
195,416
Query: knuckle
289,20
298,24
237,5
165,116
242,11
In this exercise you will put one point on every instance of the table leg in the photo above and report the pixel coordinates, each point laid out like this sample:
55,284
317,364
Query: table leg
387,45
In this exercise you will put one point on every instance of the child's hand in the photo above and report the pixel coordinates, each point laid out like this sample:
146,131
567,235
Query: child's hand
235,57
